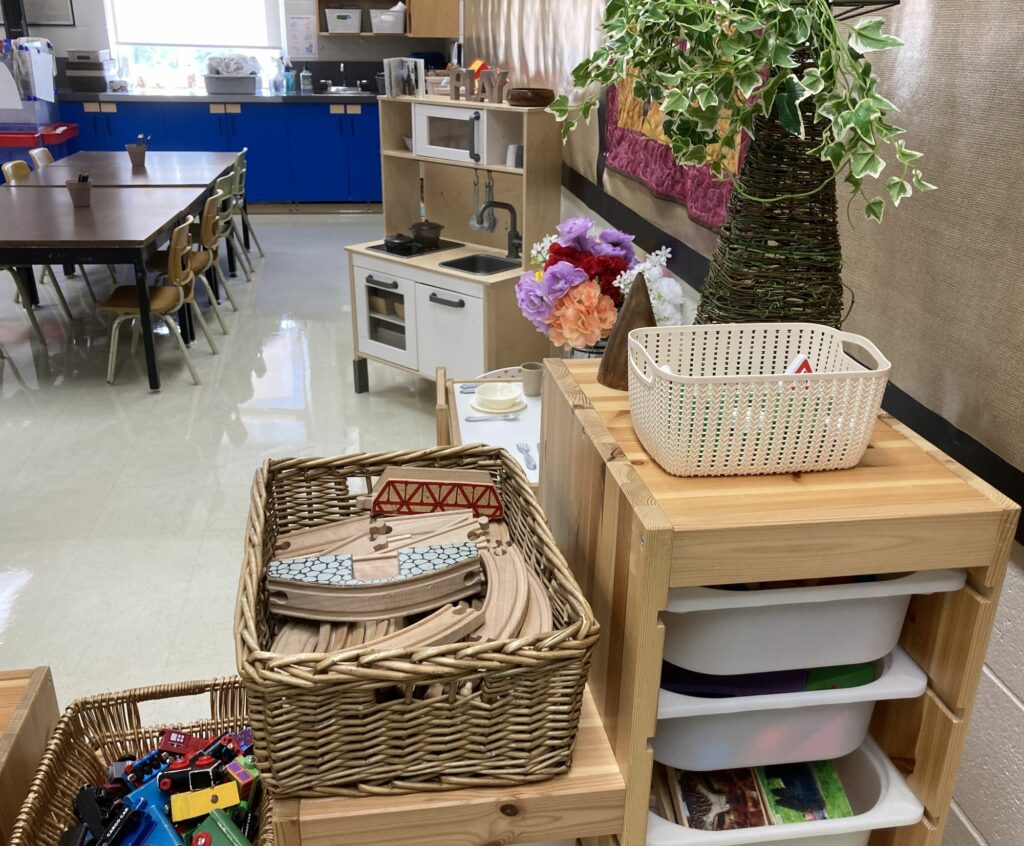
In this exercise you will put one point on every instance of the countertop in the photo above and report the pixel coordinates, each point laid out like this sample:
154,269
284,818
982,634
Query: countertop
431,262
203,97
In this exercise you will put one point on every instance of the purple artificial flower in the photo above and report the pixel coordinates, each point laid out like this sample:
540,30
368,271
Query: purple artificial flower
612,242
561,278
536,307
574,232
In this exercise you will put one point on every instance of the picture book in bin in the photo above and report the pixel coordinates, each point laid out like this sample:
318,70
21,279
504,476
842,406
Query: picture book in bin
794,793
722,800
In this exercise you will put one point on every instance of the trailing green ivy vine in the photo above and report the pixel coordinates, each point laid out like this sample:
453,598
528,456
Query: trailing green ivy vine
714,65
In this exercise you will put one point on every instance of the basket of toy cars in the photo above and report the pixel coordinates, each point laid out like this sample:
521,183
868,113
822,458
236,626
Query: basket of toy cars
103,774
481,686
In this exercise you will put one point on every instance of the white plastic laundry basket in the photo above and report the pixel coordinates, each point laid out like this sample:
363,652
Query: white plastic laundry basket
704,733
387,20
879,796
729,632
344,20
716,401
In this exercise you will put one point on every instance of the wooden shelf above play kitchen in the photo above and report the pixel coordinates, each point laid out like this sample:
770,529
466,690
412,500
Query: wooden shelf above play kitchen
425,18
631,533
587,802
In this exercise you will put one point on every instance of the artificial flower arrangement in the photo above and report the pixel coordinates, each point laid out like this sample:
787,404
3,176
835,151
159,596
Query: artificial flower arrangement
583,280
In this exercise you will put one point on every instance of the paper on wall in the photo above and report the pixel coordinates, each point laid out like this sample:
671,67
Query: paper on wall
301,36
42,75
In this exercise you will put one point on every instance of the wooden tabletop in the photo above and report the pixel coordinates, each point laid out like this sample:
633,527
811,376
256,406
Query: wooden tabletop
116,218
181,158
115,169
904,496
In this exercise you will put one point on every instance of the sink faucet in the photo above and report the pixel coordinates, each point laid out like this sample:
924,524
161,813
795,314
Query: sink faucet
515,240
341,67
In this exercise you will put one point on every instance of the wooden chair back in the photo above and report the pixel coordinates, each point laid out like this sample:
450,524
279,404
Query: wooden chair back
209,226
16,169
179,262
240,170
41,157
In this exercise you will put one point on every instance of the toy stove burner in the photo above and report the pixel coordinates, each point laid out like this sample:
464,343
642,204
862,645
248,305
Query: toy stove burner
414,248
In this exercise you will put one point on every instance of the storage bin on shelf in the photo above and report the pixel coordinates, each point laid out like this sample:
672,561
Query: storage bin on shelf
729,632
879,796
344,20
387,20
372,723
716,400
98,730
699,733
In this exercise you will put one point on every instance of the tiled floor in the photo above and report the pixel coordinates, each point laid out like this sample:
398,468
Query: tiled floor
122,511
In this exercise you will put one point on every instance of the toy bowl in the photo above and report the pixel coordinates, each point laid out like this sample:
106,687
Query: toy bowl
499,396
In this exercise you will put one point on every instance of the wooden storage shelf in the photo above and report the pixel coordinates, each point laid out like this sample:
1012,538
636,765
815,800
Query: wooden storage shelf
631,532
587,802
405,154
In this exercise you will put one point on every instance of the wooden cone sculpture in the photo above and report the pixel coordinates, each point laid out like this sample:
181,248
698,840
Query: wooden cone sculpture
636,313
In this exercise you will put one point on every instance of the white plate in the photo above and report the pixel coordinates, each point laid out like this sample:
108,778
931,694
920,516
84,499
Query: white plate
486,409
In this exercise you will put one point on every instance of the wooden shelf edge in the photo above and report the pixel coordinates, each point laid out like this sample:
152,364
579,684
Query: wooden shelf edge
405,154
589,801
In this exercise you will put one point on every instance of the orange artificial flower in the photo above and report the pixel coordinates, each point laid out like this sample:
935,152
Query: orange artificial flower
582,317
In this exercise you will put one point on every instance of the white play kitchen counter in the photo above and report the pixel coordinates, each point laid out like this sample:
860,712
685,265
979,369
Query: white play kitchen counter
415,314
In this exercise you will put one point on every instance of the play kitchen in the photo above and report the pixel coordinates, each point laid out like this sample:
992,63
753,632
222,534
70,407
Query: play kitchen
435,292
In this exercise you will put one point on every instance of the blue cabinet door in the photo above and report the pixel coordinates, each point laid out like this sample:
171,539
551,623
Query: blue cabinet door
263,129
191,126
317,154
364,155
92,133
131,119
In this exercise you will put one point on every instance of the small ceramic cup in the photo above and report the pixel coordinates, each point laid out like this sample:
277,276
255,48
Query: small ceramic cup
81,192
137,154
532,373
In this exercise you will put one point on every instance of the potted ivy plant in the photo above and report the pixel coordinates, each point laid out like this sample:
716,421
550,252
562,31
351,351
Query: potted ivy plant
782,76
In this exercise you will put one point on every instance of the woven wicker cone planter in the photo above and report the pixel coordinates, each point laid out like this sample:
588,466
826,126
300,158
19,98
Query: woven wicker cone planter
357,722
779,262
97,730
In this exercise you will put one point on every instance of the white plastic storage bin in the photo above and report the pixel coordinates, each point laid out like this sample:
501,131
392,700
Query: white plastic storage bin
729,632
878,795
387,20
701,734
344,20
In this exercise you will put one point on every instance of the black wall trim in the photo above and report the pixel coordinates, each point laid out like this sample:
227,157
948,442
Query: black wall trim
692,267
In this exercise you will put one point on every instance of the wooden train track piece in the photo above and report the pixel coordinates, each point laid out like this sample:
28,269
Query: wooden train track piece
449,624
433,576
508,594
318,540
539,616
412,490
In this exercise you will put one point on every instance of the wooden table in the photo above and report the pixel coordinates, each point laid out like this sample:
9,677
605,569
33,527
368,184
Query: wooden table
28,715
631,532
160,172
119,227
182,160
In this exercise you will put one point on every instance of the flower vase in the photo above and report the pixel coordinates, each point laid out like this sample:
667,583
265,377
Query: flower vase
593,351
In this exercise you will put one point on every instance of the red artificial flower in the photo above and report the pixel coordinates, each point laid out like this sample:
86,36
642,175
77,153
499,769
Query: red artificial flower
602,269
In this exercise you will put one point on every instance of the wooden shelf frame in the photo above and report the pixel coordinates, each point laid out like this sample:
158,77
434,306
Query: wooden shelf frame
587,802
631,532
405,154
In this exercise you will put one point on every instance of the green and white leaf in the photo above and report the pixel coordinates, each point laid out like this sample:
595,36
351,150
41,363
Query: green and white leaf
875,209
898,189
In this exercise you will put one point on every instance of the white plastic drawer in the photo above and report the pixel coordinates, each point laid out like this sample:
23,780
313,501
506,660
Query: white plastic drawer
700,734
386,334
730,632
878,795
450,329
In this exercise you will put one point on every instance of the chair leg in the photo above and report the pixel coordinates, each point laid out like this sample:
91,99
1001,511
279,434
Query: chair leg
28,307
57,290
240,254
213,302
252,232
224,285
88,284
136,335
112,357
197,312
173,327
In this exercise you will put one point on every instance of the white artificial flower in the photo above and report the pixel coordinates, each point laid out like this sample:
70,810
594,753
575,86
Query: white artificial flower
664,289
539,253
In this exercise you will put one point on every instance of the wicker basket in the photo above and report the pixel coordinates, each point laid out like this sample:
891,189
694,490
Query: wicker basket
387,20
726,409
97,730
362,721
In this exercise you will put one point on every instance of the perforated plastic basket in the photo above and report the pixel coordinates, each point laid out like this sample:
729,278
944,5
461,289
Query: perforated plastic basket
716,401
387,20
344,20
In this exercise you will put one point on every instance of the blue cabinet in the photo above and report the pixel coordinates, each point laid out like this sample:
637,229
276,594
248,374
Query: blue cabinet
109,126
263,129
190,126
364,155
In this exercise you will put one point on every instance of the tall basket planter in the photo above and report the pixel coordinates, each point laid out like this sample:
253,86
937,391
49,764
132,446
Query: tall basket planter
98,730
778,262
366,722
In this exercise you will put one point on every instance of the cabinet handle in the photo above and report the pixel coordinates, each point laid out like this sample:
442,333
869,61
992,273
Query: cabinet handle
434,298
378,283
474,120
